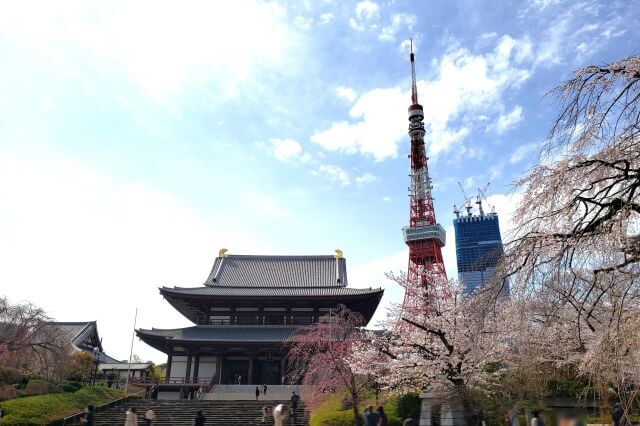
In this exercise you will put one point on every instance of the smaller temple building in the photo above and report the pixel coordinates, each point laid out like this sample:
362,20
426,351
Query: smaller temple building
246,310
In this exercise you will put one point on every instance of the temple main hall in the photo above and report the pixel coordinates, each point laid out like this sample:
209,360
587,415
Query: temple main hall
244,313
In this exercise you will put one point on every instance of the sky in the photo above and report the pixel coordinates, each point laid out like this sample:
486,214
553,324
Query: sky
139,138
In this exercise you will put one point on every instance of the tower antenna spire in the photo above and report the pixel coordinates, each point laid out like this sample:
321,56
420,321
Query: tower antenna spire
414,86
424,235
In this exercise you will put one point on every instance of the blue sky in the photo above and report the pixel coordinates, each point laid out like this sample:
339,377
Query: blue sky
138,138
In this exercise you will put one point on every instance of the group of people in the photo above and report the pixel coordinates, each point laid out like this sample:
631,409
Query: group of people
281,413
374,417
264,391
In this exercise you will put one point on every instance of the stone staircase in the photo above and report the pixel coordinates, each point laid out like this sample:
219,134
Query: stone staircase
183,412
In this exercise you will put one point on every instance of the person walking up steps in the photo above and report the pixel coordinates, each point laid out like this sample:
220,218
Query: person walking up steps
280,415
200,418
149,417
382,417
88,417
371,418
536,420
131,418
257,393
265,414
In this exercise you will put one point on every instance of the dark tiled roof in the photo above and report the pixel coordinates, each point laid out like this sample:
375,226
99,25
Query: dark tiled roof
79,333
225,333
269,291
278,271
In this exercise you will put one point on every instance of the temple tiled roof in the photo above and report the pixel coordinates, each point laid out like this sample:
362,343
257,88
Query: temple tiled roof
224,333
278,271
269,291
82,334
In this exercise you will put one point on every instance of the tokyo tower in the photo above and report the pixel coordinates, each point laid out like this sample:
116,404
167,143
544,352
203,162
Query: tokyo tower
424,236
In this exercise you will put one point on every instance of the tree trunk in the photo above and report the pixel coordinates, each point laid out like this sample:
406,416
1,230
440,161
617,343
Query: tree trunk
356,412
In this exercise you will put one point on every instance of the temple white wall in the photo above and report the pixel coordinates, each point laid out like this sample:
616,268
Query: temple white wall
207,367
178,366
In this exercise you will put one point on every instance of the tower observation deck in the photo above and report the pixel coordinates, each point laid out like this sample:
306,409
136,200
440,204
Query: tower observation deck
424,236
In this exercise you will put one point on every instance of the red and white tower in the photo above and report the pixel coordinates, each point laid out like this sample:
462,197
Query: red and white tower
424,236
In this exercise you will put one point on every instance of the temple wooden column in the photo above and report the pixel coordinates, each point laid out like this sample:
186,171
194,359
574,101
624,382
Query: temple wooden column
168,371
187,374
196,367
218,370
250,378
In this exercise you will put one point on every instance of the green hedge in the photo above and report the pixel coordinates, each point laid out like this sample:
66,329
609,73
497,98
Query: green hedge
43,409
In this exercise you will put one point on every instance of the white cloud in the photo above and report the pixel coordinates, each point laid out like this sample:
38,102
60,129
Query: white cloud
85,246
523,151
405,46
398,22
333,173
346,93
372,274
366,179
505,206
303,23
466,87
325,18
162,47
381,123
365,11
571,35
386,199
508,121
287,150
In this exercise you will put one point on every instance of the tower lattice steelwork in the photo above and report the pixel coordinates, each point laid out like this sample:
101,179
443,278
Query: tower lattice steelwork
424,236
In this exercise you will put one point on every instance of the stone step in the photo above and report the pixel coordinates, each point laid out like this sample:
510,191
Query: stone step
183,412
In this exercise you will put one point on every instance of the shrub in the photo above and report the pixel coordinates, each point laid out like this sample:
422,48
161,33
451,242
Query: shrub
70,386
408,406
40,387
9,376
8,392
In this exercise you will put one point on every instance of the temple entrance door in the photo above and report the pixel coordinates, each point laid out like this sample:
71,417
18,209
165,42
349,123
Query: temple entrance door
233,369
266,372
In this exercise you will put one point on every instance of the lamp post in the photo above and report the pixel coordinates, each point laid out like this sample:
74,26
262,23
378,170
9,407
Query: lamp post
96,361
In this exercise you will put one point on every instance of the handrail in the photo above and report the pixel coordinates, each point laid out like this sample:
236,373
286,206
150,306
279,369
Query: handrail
76,416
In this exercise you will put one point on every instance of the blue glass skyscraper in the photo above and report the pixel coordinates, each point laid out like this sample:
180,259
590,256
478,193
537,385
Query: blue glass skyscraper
478,249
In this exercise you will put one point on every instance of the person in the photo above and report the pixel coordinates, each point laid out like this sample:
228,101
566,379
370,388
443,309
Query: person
536,420
149,416
257,393
131,418
88,417
512,417
1,412
409,422
616,415
264,390
280,415
370,416
477,418
294,400
382,417
265,414
200,418
239,379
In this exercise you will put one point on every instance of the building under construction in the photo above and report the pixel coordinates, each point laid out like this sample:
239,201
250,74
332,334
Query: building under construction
478,247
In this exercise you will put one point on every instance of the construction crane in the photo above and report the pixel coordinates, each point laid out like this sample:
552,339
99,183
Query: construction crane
467,202
482,194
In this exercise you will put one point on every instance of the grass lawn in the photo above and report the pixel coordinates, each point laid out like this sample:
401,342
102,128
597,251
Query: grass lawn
43,409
